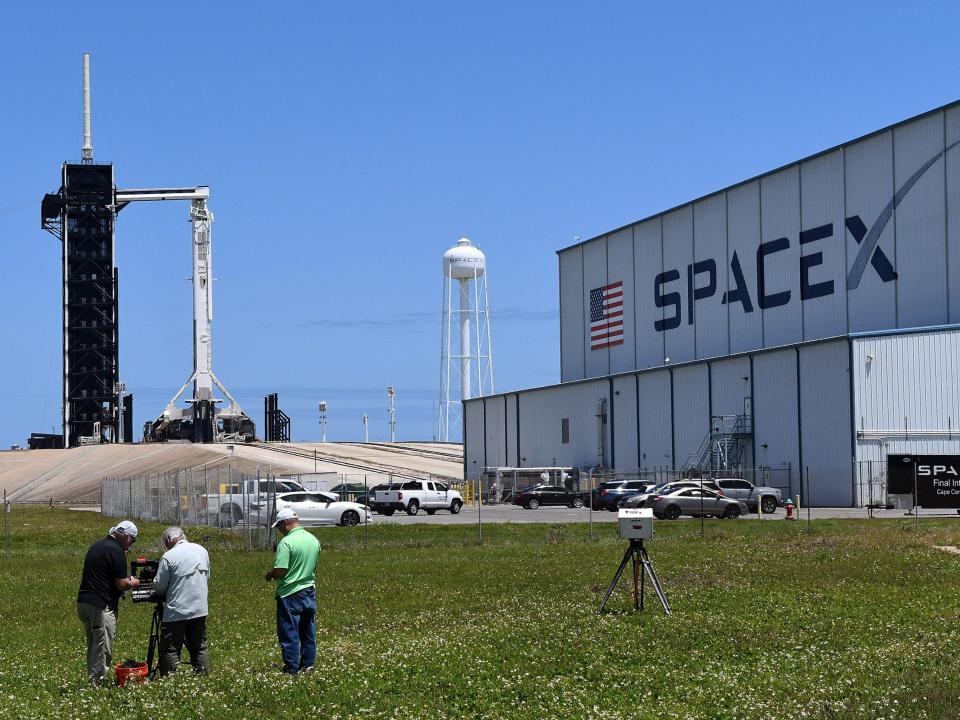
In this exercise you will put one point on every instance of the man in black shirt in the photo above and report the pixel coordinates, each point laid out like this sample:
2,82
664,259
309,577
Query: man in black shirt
104,580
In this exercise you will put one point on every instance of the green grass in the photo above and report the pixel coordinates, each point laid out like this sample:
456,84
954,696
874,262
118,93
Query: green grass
854,619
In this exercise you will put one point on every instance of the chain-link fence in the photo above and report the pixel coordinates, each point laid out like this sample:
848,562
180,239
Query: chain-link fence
224,497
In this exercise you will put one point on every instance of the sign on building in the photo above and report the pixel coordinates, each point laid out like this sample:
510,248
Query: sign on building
936,479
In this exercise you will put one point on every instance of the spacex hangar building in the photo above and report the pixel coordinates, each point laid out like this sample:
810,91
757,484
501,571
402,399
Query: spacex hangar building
803,321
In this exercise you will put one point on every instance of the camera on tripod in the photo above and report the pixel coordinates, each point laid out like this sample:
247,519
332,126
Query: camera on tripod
146,572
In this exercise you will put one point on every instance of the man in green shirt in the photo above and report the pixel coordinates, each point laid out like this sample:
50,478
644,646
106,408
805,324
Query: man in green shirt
294,567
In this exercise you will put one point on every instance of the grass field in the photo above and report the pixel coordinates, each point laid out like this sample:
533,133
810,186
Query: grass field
852,619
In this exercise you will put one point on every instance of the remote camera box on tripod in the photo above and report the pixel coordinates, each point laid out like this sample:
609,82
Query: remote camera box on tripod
635,523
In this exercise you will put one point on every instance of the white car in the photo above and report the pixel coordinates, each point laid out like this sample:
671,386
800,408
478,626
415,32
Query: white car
318,508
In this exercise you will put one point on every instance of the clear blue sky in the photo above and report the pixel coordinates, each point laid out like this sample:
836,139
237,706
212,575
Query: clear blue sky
347,145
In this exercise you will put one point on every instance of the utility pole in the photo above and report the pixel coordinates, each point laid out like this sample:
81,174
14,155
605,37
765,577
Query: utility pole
392,414
323,418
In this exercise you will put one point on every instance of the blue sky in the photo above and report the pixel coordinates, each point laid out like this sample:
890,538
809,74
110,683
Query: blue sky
347,145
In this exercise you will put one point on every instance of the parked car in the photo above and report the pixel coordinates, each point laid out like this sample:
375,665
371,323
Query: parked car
696,502
243,499
770,498
355,492
317,508
643,499
411,496
537,495
612,494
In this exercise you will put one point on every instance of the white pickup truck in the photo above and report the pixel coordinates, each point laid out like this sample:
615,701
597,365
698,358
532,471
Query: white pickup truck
235,501
412,495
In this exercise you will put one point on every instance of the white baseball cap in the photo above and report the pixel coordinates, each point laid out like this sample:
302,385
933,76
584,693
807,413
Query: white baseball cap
124,527
285,513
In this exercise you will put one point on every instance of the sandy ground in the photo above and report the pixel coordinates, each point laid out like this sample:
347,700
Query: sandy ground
74,475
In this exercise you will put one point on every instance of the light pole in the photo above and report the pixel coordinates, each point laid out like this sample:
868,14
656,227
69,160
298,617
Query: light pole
366,430
392,414
323,418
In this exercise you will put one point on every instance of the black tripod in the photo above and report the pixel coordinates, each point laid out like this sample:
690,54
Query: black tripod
154,643
641,565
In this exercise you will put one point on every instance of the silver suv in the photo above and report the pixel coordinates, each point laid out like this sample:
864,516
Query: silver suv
769,498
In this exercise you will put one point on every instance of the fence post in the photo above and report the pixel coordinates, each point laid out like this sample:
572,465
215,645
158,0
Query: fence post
479,518
6,536
590,490
176,490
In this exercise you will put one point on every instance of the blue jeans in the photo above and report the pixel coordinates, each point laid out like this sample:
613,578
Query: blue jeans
297,629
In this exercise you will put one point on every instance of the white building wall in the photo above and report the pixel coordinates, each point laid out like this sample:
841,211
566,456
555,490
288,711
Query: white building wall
648,263
817,407
952,180
541,412
859,238
691,411
656,434
625,421
730,385
709,314
510,409
474,449
572,326
780,230
823,246
920,227
775,423
495,428
827,431
677,255
620,267
596,362
743,230
907,394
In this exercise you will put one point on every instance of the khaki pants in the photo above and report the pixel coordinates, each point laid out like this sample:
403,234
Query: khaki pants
174,635
101,628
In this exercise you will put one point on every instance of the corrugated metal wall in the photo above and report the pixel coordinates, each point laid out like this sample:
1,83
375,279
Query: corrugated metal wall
474,437
799,397
691,411
776,436
825,422
572,324
541,415
656,426
625,420
800,231
510,409
648,263
904,384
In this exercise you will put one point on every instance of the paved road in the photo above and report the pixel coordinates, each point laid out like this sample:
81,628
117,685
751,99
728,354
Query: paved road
547,515
515,514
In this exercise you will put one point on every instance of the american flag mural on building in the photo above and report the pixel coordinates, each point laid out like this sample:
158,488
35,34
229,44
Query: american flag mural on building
606,316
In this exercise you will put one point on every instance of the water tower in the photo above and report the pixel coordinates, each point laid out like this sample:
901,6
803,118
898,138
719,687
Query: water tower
471,362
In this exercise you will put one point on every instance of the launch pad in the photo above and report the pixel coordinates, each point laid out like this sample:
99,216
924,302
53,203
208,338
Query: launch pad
81,214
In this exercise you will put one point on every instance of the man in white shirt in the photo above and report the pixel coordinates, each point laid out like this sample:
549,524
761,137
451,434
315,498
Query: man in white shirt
182,577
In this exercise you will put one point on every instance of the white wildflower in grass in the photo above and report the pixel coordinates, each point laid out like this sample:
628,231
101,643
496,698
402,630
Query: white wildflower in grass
770,621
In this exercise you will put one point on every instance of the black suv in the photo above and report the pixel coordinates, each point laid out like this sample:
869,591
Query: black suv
612,494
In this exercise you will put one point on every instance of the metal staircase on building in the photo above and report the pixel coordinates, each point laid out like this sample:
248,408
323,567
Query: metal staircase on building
724,446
